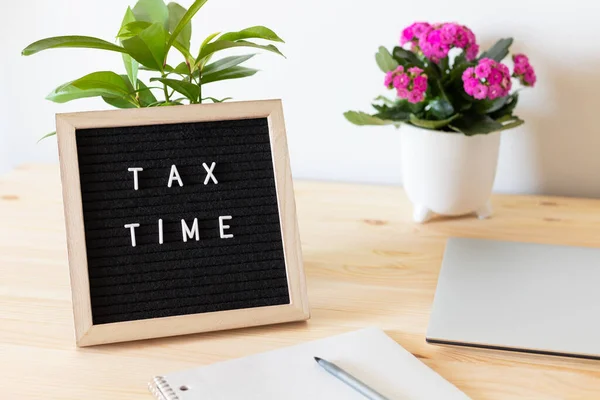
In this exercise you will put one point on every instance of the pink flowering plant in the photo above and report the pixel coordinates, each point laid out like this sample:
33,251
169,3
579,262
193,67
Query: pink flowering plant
442,82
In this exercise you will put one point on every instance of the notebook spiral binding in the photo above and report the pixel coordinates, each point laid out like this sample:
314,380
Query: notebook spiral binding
161,389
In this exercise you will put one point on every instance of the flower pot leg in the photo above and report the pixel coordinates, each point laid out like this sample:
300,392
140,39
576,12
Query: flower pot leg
484,211
421,214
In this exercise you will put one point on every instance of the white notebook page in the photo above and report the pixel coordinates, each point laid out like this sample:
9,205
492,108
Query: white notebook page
292,374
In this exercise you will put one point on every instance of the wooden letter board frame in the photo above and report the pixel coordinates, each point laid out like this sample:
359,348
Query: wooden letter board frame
89,334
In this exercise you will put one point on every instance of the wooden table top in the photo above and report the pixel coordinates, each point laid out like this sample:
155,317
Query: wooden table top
367,264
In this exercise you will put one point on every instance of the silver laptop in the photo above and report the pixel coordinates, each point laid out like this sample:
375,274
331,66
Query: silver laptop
518,296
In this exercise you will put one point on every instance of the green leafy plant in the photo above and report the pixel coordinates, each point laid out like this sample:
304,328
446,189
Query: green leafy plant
453,92
148,34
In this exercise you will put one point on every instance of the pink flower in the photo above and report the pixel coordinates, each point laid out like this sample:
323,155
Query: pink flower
460,39
434,37
416,96
480,92
484,68
410,85
407,35
419,28
488,79
389,78
402,93
520,59
401,81
523,70
414,32
495,91
520,69
530,77
450,29
495,76
441,51
435,41
470,84
469,73
446,38
471,52
420,83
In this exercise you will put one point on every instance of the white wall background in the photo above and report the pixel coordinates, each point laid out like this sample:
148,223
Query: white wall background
330,68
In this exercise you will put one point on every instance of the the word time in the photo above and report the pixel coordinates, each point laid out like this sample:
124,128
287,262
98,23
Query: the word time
186,232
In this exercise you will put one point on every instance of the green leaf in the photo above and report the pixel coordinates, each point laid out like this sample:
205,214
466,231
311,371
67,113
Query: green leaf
434,125
131,65
187,89
46,136
217,100
118,102
223,44
229,73
384,60
153,11
441,109
406,58
182,31
489,106
459,60
254,32
476,124
499,50
512,125
103,83
148,48
82,42
166,68
182,69
508,107
225,63
128,17
208,39
360,118
385,100
67,92
132,29
202,62
445,65
145,95
455,75
398,111
186,53
107,81
509,122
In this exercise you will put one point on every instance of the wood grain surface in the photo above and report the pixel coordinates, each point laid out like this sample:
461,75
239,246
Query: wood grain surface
367,264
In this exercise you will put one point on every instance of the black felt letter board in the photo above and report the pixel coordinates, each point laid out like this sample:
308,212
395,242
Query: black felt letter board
154,280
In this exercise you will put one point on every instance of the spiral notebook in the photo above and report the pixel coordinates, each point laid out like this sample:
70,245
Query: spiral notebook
292,374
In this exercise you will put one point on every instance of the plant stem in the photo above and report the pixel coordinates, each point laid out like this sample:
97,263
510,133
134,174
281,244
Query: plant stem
166,91
200,95
199,83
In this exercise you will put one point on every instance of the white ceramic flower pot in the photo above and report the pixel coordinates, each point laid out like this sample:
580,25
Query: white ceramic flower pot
448,173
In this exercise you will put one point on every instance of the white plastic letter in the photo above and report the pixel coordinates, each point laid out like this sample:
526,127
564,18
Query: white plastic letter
186,232
135,176
160,231
132,229
223,227
174,175
209,173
